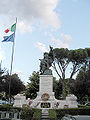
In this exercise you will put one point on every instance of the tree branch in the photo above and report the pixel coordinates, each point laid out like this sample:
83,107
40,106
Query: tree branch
56,70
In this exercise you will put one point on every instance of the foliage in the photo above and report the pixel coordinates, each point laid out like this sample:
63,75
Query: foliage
1,95
3,72
37,114
81,86
63,58
57,84
52,114
9,108
33,86
78,59
16,84
60,64
67,90
82,106
57,88
88,51
72,111
27,113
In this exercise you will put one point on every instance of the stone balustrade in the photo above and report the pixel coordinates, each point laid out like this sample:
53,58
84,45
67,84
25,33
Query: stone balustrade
10,115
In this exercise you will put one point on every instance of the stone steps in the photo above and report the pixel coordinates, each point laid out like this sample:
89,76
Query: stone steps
45,114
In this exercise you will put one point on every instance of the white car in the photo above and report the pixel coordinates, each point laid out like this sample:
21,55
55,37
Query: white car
87,104
76,117
3,102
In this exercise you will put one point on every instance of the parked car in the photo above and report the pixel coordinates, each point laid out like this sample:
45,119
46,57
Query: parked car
76,117
3,102
87,104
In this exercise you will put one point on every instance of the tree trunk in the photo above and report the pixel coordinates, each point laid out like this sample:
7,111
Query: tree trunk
63,85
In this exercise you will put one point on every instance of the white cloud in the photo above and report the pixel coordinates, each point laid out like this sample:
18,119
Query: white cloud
32,10
22,27
49,34
63,43
2,56
41,46
66,37
58,43
19,72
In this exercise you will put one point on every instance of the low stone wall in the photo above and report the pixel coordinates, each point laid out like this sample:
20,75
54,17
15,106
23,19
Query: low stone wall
10,115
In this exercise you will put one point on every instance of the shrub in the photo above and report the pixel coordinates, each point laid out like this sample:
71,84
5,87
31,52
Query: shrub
73,111
37,114
27,113
82,106
9,107
52,114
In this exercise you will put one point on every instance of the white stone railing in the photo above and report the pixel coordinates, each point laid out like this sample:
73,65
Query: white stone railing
10,115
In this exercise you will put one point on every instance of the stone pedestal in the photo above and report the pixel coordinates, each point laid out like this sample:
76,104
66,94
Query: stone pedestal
46,84
45,97
20,100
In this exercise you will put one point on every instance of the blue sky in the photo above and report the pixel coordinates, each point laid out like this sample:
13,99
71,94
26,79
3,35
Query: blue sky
59,23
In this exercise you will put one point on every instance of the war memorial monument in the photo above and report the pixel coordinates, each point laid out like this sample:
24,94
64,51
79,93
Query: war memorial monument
45,97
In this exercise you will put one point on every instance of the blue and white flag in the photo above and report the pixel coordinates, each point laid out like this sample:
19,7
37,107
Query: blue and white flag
9,38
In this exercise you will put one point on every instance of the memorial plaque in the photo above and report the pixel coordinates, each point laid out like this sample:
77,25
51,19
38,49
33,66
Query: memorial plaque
46,83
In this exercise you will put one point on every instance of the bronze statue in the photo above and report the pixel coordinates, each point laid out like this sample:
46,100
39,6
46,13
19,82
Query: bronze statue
46,63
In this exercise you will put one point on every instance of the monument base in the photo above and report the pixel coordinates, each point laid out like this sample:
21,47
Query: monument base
45,97
44,100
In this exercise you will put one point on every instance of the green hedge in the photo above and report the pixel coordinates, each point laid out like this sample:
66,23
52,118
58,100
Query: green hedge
52,114
37,114
9,108
27,113
83,106
72,111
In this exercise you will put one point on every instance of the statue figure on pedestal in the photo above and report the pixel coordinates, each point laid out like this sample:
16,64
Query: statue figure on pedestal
46,63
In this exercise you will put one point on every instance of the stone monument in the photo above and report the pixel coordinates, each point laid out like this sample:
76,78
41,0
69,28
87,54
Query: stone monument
45,97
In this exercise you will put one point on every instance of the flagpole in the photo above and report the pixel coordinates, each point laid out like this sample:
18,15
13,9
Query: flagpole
12,63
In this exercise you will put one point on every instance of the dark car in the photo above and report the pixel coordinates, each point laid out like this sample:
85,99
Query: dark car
76,117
